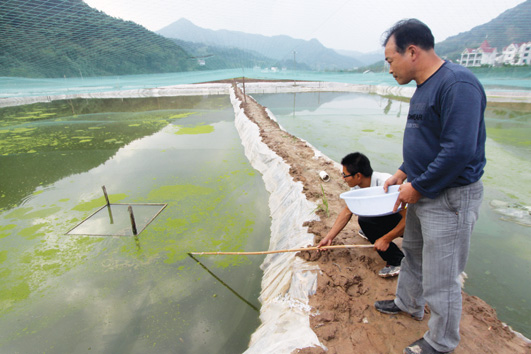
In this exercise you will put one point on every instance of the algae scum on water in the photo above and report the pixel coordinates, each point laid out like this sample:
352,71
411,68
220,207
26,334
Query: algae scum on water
73,293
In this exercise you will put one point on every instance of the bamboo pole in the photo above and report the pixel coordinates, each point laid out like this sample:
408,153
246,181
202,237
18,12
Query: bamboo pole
279,251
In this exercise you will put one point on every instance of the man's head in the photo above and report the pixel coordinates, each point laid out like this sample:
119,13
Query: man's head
405,43
356,168
410,31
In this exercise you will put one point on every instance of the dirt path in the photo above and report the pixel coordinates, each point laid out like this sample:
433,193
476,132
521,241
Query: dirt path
348,285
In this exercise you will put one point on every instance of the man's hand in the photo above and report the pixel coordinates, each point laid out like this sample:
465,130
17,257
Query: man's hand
408,195
324,242
398,178
381,245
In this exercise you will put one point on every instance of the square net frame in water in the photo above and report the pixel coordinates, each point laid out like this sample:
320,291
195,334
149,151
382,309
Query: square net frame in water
118,220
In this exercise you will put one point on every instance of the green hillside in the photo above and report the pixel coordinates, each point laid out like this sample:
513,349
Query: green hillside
65,38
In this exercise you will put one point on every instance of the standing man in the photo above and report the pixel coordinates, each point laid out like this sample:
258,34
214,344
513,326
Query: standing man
379,230
443,161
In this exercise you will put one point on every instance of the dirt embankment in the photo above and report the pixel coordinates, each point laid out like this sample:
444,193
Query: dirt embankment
348,285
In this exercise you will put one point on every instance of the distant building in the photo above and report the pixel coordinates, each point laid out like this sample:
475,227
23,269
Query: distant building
513,54
484,55
525,54
516,54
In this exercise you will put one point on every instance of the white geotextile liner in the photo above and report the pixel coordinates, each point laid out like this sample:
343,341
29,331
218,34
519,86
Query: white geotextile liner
167,91
288,280
256,87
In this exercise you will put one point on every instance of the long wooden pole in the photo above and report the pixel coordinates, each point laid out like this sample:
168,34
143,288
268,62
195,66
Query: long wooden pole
279,251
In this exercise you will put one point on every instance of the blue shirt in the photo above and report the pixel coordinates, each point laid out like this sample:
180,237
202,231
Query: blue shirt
444,139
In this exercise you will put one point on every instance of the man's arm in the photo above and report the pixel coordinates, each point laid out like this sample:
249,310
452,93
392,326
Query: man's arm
342,220
382,244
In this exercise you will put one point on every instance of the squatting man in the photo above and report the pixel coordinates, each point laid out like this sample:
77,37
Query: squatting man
379,230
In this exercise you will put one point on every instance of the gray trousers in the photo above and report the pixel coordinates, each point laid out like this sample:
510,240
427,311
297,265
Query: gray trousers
436,243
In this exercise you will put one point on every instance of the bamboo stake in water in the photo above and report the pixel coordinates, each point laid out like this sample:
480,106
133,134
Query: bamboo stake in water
279,251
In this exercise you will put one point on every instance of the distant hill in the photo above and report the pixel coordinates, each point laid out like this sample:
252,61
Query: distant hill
513,25
284,49
56,38
365,58
215,57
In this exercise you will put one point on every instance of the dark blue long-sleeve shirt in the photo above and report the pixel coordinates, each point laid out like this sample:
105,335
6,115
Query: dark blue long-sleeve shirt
444,139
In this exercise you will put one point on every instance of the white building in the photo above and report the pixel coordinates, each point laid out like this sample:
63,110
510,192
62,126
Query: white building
516,54
484,55
525,54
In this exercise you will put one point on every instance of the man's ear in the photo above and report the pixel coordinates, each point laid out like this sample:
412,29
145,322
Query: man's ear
412,51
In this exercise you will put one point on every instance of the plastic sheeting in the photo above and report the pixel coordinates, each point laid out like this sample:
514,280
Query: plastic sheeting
176,90
288,280
14,96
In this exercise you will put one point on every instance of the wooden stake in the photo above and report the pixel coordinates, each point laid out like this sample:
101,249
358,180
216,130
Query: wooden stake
244,98
280,251
132,217
105,194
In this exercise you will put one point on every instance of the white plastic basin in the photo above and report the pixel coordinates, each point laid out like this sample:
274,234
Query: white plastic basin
372,201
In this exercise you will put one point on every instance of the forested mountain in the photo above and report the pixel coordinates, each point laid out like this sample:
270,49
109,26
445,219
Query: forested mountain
512,26
64,38
283,49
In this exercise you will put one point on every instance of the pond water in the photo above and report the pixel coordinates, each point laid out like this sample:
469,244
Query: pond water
74,293
23,87
500,255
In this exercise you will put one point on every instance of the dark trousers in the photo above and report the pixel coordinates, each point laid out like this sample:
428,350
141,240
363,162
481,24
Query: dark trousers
376,227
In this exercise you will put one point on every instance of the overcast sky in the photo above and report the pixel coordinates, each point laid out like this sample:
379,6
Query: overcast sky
339,24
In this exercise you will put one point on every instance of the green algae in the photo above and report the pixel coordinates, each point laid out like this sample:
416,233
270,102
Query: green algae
181,115
99,202
203,217
178,192
199,129
36,266
3,256
4,230
9,296
31,233
26,213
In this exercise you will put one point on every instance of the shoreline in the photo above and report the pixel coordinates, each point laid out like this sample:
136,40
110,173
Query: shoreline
222,87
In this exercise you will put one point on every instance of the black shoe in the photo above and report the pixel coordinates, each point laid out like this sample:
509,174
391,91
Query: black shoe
421,347
389,307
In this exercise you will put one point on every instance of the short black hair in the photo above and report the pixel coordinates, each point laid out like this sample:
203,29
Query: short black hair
357,162
410,31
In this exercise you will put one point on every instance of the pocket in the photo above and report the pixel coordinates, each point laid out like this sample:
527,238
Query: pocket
452,199
474,203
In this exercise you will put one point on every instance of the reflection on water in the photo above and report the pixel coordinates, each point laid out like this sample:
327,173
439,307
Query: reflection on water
339,123
74,293
224,284
42,143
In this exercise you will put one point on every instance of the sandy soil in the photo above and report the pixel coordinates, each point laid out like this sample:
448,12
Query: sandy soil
348,284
